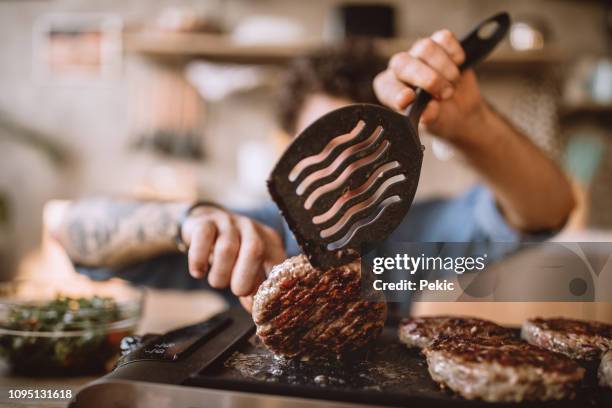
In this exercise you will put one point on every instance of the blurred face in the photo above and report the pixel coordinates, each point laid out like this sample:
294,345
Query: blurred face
316,106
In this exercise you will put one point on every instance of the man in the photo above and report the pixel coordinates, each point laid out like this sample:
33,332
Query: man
525,192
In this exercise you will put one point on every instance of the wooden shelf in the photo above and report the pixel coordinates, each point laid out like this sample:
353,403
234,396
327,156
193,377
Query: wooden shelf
502,58
210,46
588,111
182,47
588,106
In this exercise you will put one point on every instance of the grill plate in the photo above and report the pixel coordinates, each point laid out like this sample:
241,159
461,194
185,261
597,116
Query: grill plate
350,383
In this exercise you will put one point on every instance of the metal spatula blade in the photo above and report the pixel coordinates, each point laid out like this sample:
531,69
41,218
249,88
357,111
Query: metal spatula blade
350,177
336,191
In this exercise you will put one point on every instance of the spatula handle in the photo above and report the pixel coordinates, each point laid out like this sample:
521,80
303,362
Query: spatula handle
477,44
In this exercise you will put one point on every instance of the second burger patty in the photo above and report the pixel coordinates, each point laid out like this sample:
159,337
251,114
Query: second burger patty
305,312
498,369
578,339
419,332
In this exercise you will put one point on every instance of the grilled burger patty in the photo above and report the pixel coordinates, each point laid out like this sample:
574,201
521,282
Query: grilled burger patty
302,311
605,370
498,369
578,339
421,331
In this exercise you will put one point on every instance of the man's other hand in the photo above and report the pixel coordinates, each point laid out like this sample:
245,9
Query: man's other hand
234,251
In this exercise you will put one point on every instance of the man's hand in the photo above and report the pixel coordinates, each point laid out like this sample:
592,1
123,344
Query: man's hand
233,250
432,64
531,190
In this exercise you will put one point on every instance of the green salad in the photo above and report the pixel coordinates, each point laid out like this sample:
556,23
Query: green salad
65,336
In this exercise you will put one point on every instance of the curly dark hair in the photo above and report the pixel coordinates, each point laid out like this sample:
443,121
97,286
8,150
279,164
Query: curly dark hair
344,71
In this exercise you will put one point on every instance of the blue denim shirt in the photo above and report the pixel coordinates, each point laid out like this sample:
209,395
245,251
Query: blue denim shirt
471,217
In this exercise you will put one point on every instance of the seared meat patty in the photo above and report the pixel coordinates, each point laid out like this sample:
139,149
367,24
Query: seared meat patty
605,370
497,369
421,331
578,339
301,311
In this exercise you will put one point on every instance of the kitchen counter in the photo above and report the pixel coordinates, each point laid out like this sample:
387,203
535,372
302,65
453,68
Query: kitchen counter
163,311
168,309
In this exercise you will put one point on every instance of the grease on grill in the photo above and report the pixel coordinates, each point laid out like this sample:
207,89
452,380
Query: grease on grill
372,373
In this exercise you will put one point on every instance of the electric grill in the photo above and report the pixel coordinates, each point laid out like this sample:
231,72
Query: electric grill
219,363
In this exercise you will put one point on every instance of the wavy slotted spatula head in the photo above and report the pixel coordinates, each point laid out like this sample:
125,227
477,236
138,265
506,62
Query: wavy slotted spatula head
350,177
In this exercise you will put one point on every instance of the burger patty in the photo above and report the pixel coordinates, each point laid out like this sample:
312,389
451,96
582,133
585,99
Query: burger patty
421,331
605,370
301,311
578,339
504,370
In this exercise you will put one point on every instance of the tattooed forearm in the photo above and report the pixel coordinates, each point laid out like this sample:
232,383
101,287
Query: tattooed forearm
104,232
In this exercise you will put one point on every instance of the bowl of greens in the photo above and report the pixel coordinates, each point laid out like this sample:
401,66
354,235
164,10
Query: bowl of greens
55,331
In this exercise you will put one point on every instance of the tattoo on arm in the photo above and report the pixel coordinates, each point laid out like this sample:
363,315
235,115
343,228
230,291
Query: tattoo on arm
104,232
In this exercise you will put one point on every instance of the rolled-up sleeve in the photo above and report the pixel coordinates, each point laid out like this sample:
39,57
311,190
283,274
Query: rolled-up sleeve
167,271
489,222
494,226
472,217
163,271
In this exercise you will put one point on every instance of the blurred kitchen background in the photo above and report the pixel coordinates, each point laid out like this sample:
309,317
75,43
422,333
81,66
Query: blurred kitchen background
174,100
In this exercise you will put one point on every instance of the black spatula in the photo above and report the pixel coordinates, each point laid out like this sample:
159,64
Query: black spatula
350,177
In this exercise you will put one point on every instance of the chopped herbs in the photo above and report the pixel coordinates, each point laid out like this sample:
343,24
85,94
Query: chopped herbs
66,336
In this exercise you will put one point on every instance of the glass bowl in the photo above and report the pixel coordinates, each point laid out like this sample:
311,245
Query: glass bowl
69,328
